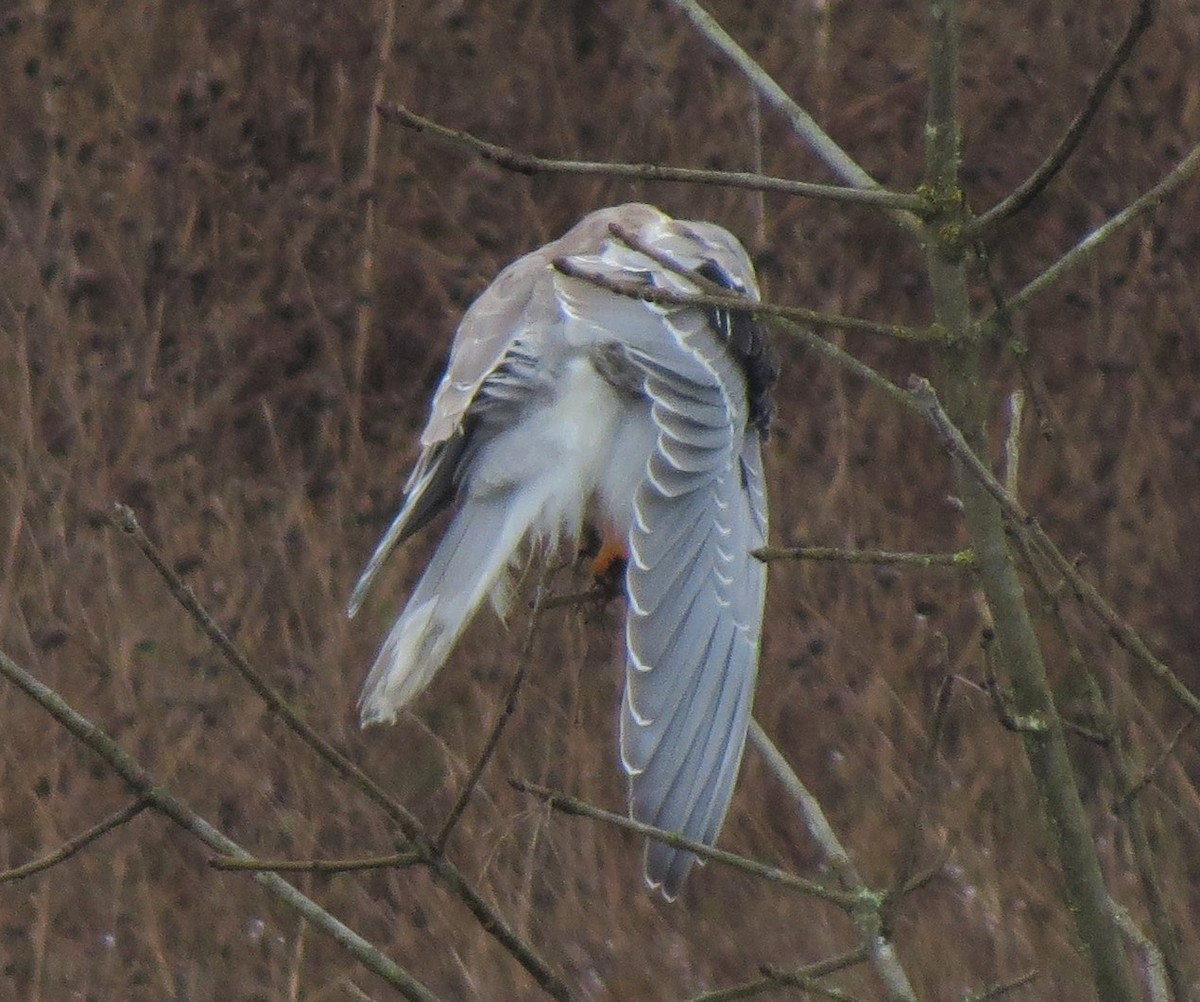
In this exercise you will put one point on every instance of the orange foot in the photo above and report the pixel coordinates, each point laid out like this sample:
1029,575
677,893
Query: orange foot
609,557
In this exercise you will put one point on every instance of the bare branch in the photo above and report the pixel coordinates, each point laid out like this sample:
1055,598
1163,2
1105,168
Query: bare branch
847,361
1003,987
706,285
868,903
1156,982
1144,203
1036,183
767,554
1002,700
811,986
1012,442
446,873
144,786
392,862
800,977
1138,785
789,319
506,712
1170,963
922,878
125,520
802,123
528,163
573,805
766,311
910,845
1125,635
1167,947
1126,807
364,314
76,844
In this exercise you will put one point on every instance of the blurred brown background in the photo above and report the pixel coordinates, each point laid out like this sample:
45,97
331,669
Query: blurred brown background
185,190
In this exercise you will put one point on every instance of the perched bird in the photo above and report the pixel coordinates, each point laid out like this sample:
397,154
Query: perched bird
565,401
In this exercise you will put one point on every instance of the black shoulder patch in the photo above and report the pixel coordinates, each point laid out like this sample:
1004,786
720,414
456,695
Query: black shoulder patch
747,340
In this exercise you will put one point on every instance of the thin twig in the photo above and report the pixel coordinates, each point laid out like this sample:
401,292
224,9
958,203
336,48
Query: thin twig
802,123
364,318
814,817
767,554
1167,945
811,986
1156,982
910,845
774,981
567,804
1021,521
1033,185
765,311
354,990
528,163
800,977
76,844
392,862
1144,203
867,913
1170,961
1090,734
125,520
506,712
446,873
1124,634
1127,808
157,797
1003,987
794,325
922,878
1000,699
1138,785
597,594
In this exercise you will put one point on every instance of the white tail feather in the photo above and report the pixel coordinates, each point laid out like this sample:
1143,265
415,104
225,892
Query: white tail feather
470,562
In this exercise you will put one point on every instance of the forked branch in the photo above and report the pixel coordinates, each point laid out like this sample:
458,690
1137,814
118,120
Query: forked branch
802,123
528,163
146,788
1035,184
868,912
805,978
76,844
1147,202
567,804
1023,522
443,870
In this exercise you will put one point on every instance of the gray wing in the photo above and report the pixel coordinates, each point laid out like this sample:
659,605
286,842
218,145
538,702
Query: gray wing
695,615
695,592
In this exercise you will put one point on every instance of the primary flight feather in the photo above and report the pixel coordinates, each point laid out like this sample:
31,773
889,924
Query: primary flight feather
563,401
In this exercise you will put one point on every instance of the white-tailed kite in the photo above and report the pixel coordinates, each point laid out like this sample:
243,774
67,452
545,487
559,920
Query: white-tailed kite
563,401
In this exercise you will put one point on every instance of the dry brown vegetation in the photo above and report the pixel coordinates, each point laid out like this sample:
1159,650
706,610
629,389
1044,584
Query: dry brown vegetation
181,268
